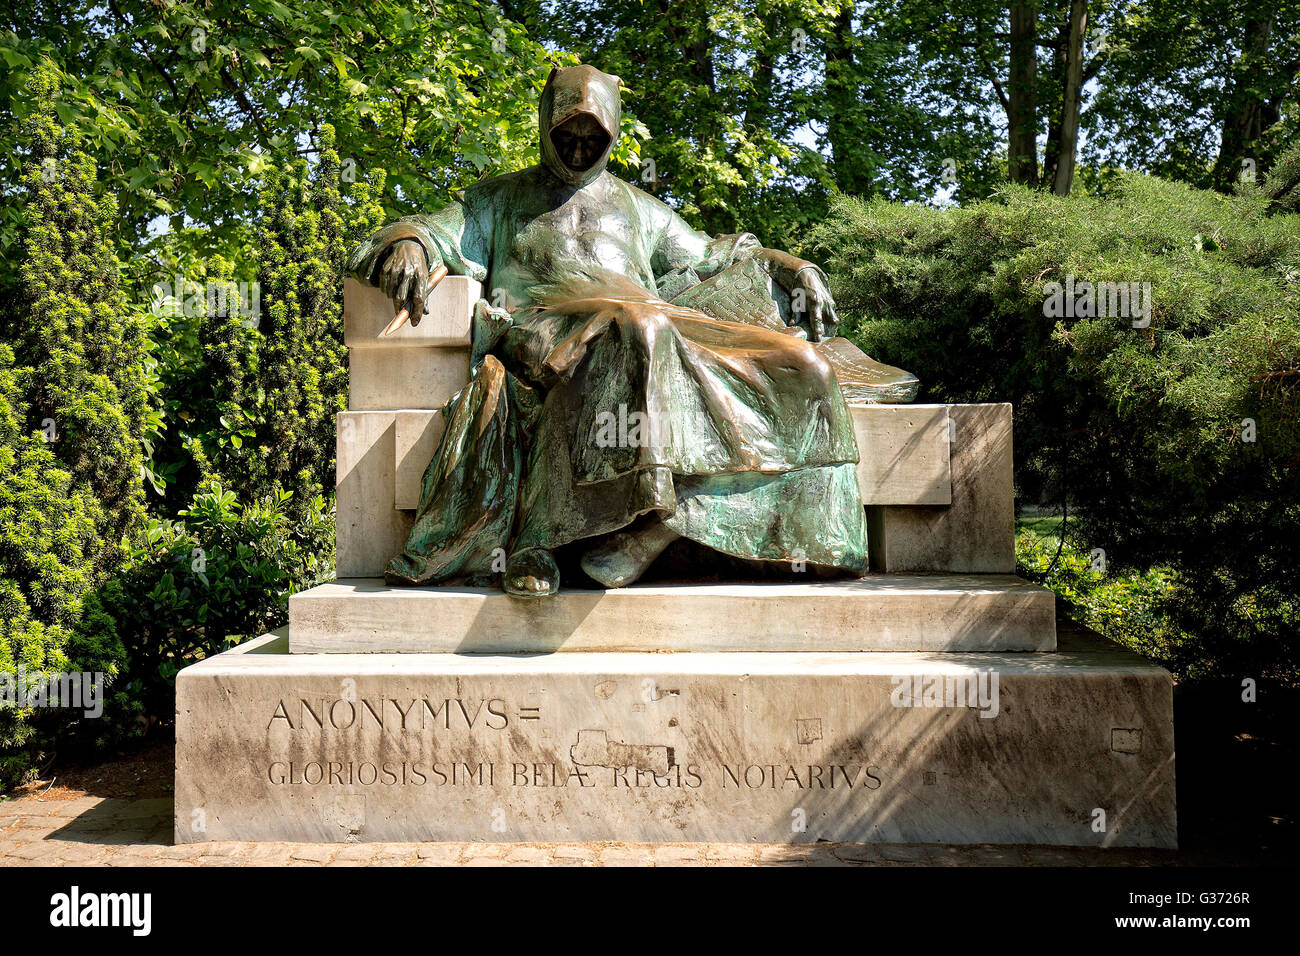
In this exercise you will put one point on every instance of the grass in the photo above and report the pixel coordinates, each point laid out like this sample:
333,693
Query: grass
1128,608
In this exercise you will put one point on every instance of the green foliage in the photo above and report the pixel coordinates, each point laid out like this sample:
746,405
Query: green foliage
82,345
754,112
718,127
188,411
73,411
187,102
193,587
914,98
46,533
253,392
284,373
1134,608
1282,187
1210,83
1175,444
45,537
1161,612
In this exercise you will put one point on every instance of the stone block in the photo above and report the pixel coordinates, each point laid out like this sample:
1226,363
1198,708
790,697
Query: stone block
370,530
416,367
879,612
417,438
903,453
410,377
700,747
975,534
447,322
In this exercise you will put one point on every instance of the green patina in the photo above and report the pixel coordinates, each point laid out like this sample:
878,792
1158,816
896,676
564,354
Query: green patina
597,404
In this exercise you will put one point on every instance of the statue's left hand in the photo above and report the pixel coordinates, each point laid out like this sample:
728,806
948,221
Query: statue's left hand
817,304
808,293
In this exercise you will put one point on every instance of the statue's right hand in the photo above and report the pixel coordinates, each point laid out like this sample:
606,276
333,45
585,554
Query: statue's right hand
404,278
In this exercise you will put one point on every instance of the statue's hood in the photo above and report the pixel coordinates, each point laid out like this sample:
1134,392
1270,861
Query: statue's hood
568,92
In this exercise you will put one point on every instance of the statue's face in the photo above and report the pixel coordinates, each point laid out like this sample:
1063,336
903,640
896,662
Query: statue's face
580,141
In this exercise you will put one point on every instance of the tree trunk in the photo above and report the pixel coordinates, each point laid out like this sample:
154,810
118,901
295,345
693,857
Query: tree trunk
1070,103
1052,148
1243,122
759,105
840,96
1022,152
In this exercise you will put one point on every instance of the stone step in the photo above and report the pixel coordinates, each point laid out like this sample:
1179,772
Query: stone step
1072,748
879,612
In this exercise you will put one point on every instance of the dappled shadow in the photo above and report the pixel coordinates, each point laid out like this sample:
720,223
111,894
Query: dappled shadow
1034,772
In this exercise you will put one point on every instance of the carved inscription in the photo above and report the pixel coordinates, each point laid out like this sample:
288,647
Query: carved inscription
595,759
402,715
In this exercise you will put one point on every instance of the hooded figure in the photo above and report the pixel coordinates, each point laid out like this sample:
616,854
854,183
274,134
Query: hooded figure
581,92
598,414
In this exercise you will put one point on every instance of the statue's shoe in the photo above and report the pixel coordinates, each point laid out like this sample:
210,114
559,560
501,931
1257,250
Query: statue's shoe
531,574
621,558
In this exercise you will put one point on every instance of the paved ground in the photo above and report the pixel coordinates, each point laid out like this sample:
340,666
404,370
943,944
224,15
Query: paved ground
93,831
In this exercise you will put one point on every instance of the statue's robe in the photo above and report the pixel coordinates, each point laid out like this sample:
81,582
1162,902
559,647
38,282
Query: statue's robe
594,402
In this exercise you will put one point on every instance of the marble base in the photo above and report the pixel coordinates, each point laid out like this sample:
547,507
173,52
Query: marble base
1071,748
975,532
879,612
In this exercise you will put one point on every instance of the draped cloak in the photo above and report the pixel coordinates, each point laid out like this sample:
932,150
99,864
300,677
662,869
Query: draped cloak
593,401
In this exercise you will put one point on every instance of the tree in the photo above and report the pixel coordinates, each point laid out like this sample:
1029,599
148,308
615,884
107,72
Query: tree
283,369
46,536
717,91
1160,403
1021,103
1063,175
82,347
186,102
1198,90
73,412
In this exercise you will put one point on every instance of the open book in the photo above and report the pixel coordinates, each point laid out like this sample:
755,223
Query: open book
745,293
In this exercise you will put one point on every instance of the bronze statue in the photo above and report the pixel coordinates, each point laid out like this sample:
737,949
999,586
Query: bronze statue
635,381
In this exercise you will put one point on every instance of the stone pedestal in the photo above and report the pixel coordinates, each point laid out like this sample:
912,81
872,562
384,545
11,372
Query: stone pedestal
930,701
881,612
1073,747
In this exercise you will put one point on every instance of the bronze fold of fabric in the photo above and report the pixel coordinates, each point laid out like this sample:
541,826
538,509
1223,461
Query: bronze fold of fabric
736,435
469,491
